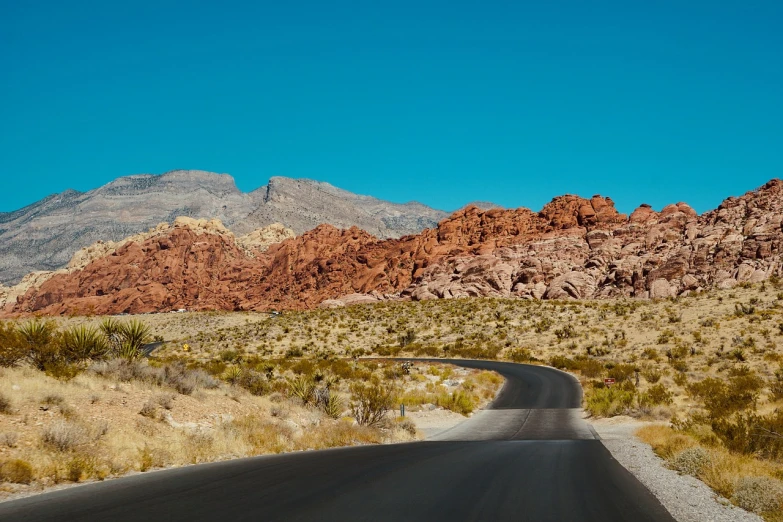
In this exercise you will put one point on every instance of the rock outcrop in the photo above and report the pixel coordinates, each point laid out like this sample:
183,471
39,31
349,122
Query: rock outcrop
575,248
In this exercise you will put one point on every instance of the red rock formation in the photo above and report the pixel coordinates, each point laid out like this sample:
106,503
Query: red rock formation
573,248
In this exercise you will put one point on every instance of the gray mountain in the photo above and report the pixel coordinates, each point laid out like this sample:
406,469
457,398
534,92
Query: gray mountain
44,235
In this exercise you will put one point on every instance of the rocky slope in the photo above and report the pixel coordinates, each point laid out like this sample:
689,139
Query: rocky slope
45,235
572,248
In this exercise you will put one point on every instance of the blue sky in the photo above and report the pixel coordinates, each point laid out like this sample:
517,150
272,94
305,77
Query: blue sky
441,102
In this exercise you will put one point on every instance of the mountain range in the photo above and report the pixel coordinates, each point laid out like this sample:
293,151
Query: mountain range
573,248
46,234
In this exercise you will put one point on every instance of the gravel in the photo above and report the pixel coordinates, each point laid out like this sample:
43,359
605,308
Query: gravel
686,498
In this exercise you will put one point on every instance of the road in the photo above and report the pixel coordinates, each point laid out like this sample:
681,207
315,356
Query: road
529,457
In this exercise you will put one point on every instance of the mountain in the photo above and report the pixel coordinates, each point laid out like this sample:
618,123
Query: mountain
574,248
44,235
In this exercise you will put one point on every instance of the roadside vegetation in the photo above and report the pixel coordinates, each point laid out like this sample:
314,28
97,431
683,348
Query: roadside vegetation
706,366
83,402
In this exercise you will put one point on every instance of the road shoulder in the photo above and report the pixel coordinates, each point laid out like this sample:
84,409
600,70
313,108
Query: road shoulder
685,497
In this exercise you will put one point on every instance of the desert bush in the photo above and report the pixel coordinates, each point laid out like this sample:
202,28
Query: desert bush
458,401
655,396
407,426
187,381
64,436
652,375
371,402
17,471
758,494
691,461
5,404
608,402
12,349
520,355
125,340
9,439
149,410
621,372
253,382
41,343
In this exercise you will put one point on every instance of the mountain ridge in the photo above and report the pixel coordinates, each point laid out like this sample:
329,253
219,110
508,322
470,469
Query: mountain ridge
574,248
45,234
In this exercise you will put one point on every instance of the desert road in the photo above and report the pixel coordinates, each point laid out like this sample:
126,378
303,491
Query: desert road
529,457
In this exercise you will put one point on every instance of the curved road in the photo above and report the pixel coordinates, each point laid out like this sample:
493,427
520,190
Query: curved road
528,457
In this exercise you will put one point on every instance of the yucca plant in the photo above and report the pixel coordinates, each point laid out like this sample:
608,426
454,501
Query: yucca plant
82,342
232,374
126,340
333,406
302,387
40,338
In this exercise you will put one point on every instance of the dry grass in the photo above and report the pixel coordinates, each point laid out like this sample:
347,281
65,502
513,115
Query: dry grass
750,483
120,417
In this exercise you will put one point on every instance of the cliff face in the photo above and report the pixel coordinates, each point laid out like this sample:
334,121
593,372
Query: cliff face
45,235
573,248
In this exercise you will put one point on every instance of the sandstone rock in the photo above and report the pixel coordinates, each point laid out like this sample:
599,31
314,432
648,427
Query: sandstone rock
661,289
573,285
582,248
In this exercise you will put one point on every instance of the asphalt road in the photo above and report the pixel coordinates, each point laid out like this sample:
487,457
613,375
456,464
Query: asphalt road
529,457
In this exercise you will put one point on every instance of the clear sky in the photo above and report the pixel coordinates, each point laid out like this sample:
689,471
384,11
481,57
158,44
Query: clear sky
441,102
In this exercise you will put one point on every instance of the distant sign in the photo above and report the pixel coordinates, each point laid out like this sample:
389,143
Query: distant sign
608,382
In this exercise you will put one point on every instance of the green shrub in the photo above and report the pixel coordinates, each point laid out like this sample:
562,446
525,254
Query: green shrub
655,396
458,402
41,343
608,402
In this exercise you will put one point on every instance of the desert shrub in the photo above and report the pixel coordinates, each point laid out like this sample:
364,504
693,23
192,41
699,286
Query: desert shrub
253,382
520,355
5,404
608,402
655,396
621,372
691,461
9,439
371,402
303,388
407,338
652,375
149,410
187,381
64,436
563,363
758,494
81,342
41,344
722,398
16,471
12,349
125,370
458,402
407,426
